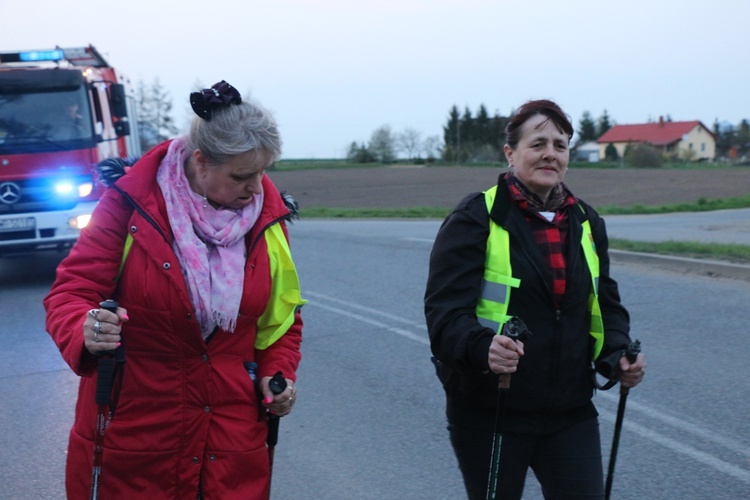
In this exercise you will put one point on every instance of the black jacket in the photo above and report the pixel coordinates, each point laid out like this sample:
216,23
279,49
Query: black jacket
553,385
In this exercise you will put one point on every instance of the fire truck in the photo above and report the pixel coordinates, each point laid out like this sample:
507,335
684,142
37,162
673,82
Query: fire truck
61,112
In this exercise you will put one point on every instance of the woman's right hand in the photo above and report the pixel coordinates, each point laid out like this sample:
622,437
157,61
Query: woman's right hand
504,354
101,330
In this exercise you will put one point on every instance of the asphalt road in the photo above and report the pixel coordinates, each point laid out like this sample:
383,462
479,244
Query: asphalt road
369,422
720,226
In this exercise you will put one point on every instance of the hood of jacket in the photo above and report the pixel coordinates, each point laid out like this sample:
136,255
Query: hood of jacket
136,180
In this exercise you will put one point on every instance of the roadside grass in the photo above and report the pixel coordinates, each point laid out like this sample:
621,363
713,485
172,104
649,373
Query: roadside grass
739,254
701,205
291,165
727,252
333,163
375,213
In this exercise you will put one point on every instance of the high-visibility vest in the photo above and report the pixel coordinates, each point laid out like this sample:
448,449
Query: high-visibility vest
285,299
492,307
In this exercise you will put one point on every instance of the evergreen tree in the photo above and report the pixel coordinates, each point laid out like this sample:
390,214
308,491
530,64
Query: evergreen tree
497,133
610,153
451,135
359,154
725,139
482,132
603,124
743,138
586,129
467,131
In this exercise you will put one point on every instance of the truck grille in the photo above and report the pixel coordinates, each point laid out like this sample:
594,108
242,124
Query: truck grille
38,195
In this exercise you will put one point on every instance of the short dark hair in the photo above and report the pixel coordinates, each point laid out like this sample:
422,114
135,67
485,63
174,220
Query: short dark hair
531,108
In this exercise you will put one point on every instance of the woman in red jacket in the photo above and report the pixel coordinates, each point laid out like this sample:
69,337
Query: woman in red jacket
192,244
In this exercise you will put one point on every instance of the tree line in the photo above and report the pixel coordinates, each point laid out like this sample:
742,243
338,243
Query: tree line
467,136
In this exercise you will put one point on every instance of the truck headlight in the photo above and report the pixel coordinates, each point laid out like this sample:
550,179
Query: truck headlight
85,189
80,221
67,188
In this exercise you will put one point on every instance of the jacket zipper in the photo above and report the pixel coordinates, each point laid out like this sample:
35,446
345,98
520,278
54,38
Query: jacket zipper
143,213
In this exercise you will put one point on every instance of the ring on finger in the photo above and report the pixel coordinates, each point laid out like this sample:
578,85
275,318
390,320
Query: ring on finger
93,313
97,330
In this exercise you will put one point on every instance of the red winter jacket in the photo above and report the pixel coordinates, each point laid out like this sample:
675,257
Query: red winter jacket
188,416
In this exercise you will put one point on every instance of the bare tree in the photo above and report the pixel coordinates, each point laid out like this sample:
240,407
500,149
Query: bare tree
409,141
431,147
155,121
382,144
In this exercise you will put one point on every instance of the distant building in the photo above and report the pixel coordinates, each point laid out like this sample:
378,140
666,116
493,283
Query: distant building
588,151
684,140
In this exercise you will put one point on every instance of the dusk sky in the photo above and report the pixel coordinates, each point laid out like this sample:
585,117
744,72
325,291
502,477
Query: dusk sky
333,71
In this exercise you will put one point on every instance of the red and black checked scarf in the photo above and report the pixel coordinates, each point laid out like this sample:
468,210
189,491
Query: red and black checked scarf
551,237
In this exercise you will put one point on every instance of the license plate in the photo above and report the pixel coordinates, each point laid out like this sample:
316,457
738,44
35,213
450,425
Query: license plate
18,224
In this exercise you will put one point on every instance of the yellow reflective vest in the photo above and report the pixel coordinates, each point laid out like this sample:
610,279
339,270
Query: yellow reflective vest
285,299
498,281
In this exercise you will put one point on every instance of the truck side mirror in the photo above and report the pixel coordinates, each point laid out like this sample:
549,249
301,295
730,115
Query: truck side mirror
122,128
119,104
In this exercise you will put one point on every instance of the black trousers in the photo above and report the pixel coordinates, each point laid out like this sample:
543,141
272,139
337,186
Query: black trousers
567,463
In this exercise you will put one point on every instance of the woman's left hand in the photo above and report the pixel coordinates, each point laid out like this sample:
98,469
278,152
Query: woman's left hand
278,404
632,374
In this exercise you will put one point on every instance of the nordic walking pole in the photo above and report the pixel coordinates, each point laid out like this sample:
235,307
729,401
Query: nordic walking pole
631,353
277,384
516,330
105,375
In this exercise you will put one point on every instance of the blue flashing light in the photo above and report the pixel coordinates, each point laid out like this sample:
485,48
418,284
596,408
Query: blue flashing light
70,188
41,55
64,188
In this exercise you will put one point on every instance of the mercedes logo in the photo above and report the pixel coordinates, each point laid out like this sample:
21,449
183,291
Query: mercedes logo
10,192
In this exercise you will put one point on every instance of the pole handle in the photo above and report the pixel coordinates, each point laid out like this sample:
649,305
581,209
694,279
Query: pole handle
633,350
515,329
277,384
106,365
111,306
631,353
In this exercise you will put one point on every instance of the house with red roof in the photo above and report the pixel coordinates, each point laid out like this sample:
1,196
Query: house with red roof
685,140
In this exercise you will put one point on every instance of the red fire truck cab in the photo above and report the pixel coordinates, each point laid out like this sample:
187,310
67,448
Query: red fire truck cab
61,112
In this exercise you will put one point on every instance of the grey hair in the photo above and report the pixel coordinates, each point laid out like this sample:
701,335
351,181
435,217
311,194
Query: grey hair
234,130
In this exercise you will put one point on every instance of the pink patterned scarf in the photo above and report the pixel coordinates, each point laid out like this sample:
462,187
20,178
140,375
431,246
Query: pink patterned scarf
209,243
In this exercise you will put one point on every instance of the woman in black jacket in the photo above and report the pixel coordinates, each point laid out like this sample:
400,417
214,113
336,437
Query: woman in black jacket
549,422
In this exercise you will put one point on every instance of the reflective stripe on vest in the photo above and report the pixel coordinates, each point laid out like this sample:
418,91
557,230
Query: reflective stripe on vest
285,299
492,307
596,330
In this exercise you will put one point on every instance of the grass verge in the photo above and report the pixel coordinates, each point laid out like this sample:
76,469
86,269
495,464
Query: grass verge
718,251
738,254
375,213
701,205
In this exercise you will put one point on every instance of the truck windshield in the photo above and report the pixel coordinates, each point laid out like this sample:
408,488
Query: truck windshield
45,121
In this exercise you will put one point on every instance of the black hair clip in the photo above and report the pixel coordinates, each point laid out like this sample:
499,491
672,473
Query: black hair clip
221,94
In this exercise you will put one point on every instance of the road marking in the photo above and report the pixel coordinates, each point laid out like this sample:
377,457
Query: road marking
657,437
674,445
400,331
681,424
366,309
